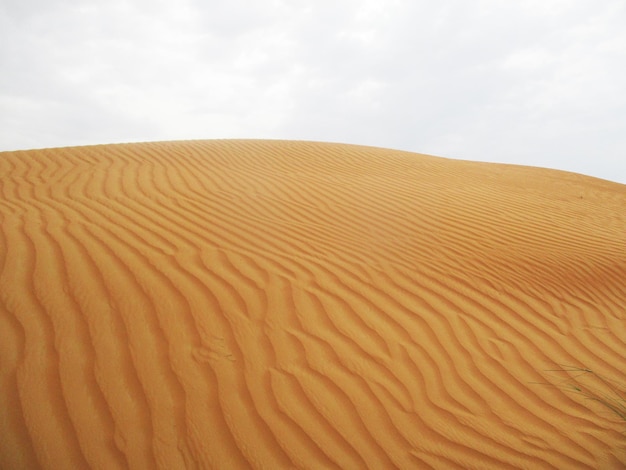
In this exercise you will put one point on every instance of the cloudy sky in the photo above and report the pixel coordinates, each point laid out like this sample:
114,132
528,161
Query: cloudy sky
534,82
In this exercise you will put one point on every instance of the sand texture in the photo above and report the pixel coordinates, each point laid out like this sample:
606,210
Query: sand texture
274,304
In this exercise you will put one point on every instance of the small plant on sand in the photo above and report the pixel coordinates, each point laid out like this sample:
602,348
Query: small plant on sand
595,387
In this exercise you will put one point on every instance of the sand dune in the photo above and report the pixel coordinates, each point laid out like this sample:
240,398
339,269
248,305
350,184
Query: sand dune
266,304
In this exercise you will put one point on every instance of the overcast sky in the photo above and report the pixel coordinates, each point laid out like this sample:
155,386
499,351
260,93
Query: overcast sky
534,82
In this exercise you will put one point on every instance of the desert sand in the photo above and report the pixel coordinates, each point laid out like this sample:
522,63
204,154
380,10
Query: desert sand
276,304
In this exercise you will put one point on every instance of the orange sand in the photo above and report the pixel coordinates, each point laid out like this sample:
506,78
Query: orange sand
265,304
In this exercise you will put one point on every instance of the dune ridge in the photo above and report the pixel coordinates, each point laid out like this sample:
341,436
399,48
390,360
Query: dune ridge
277,304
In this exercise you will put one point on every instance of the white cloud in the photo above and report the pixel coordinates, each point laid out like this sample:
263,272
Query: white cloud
530,82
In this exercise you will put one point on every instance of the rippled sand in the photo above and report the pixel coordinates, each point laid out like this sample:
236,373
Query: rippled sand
273,304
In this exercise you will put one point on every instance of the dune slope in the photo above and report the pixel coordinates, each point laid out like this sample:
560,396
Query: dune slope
268,304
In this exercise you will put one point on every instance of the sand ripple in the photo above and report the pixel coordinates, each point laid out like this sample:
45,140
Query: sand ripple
266,304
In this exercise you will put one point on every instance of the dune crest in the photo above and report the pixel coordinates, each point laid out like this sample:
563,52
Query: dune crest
275,304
